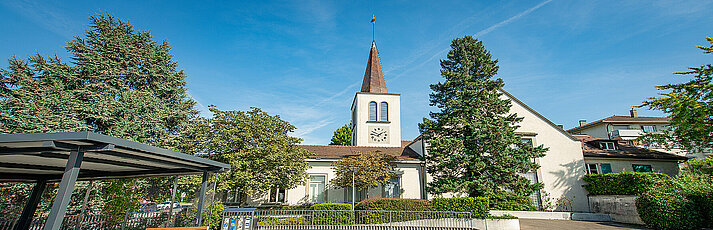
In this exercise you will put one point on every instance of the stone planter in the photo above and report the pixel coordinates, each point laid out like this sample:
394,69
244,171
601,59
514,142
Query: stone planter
621,208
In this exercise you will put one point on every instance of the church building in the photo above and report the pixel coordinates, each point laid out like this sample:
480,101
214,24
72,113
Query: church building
376,128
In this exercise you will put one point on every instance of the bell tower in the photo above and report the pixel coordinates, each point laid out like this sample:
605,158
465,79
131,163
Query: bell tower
376,113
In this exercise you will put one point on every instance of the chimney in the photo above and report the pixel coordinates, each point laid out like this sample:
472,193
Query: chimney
633,113
582,122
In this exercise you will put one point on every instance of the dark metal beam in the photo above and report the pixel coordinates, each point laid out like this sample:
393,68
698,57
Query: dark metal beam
101,161
143,158
39,167
201,200
28,212
64,193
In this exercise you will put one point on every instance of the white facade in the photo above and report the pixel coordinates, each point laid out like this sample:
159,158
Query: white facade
381,127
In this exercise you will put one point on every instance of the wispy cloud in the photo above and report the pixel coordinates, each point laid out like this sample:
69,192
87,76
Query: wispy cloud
45,15
478,34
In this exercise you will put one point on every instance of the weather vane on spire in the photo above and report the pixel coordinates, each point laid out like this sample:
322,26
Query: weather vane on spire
373,19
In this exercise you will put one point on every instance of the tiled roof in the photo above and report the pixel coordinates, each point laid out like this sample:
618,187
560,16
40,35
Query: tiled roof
337,151
373,77
591,148
621,119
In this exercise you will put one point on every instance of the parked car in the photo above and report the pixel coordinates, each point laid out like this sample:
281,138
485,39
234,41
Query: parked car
167,204
148,207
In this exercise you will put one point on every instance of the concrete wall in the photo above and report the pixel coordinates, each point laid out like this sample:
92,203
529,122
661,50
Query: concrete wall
622,209
618,165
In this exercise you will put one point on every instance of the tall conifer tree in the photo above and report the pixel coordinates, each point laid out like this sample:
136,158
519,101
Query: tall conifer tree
473,145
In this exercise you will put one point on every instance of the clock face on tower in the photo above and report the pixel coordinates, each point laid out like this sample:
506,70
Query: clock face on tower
378,135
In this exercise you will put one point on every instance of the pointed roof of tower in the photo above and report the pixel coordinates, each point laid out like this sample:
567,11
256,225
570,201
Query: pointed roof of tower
373,78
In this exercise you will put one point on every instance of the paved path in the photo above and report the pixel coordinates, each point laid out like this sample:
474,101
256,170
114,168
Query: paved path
530,224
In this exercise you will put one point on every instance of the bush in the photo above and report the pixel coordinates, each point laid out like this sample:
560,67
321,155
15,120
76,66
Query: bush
684,203
478,206
626,183
395,204
331,206
511,202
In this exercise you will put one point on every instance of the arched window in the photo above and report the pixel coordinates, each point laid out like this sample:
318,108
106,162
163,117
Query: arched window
372,111
384,111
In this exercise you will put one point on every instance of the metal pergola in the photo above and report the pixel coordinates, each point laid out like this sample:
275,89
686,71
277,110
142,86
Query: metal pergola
68,157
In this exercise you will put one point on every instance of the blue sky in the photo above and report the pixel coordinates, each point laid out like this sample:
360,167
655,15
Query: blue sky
304,60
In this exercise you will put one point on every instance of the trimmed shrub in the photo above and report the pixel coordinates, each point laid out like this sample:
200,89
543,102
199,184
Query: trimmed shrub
511,202
666,207
478,206
331,206
684,203
626,183
395,204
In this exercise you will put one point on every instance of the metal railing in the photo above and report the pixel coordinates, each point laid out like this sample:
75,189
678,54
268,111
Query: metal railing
126,222
346,219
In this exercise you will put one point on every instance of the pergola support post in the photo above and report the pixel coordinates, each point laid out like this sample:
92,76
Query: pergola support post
28,212
201,199
64,193
173,200
80,217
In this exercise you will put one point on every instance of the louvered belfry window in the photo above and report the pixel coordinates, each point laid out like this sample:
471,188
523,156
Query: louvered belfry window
372,111
384,111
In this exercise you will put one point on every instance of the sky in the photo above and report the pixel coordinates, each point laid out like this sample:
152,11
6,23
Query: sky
304,60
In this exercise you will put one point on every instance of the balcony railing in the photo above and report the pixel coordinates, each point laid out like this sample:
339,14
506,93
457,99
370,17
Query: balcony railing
626,134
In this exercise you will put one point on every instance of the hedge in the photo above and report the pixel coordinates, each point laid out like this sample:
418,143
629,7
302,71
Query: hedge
395,204
478,206
684,203
331,206
626,183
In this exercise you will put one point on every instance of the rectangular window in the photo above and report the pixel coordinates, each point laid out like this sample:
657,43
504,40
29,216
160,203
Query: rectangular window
277,196
621,127
592,169
606,168
535,196
641,168
393,188
608,145
648,128
316,189
360,195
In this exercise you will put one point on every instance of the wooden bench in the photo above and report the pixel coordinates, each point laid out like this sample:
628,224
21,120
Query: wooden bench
181,228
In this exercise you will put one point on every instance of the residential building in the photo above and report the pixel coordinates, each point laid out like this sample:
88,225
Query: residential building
602,156
626,129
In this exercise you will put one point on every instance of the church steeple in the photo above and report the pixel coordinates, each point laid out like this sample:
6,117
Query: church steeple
373,78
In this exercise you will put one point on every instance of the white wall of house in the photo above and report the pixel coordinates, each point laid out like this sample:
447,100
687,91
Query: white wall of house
410,184
562,168
618,165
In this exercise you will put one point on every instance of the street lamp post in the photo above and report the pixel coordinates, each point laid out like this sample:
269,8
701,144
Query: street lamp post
353,169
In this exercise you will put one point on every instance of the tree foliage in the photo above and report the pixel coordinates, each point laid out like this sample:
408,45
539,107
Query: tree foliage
473,146
342,136
258,147
120,82
372,170
690,107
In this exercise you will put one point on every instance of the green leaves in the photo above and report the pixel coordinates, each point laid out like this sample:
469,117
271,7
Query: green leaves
473,147
257,146
690,106
373,169
342,136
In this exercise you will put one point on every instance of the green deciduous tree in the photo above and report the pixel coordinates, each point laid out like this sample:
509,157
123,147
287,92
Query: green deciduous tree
473,146
342,136
690,107
373,170
258,147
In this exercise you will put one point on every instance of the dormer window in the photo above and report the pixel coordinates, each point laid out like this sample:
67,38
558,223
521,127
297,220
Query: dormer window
608,145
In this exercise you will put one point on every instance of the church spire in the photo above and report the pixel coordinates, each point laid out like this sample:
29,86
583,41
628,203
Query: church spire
373,78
